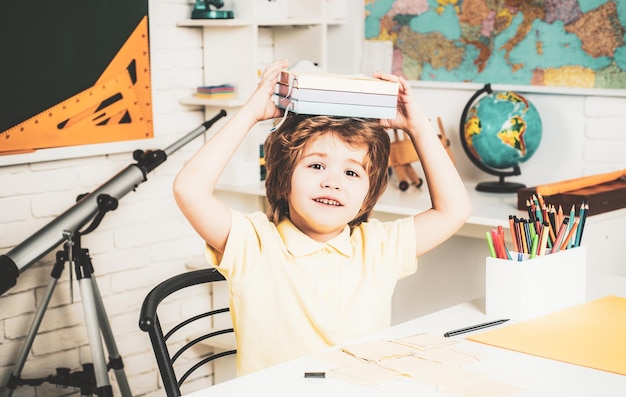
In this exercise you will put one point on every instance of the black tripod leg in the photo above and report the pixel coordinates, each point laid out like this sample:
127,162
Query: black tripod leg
14,378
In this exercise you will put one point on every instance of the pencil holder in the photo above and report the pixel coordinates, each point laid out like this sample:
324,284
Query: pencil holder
521,290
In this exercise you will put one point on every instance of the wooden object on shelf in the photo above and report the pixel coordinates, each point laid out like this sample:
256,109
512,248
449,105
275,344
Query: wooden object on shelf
579,183
401,155
445,141
601,198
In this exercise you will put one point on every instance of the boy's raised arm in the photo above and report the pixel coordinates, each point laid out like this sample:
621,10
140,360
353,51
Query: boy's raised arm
450,202
194,185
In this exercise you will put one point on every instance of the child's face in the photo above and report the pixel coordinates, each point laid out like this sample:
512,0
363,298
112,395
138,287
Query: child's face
328,186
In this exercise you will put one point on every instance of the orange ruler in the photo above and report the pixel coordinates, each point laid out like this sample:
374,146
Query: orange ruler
117,107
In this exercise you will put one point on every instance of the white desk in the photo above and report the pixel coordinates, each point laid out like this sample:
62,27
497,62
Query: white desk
537,377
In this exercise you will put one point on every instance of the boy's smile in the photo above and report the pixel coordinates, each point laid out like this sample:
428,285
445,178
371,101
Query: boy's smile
328,201
328,186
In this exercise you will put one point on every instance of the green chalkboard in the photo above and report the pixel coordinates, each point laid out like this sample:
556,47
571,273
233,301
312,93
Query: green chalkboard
54,50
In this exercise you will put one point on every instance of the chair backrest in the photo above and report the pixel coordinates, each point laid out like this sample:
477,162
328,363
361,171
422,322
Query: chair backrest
149,322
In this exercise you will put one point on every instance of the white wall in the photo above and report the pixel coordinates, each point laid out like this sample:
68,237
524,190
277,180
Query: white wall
141,243
146,239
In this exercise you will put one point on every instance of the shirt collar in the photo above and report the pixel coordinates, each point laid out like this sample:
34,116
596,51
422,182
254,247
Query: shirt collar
299,244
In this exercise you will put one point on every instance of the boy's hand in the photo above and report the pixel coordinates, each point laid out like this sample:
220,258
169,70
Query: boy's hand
260,104
409,111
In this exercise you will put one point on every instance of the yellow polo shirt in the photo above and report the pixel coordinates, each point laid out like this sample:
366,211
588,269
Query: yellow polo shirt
291,295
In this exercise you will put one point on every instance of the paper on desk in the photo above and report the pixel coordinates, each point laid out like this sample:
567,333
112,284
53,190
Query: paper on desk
426,359
591,335
363,373
338,358
448,357
438,374
425,341
483,386
377,350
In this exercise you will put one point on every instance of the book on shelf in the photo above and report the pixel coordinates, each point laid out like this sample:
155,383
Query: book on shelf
222,91
338,82
333,96
335,109
229,95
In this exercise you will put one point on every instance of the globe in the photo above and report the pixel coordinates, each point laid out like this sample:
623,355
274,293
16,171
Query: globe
498,132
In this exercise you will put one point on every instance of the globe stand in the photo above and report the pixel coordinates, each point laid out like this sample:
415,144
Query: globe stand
501,186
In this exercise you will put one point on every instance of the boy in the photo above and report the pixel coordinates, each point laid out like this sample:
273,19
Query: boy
314,271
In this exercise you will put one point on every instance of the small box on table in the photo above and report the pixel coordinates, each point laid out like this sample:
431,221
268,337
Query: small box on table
531,288
601,198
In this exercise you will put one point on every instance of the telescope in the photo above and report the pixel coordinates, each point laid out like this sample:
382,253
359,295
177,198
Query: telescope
87,207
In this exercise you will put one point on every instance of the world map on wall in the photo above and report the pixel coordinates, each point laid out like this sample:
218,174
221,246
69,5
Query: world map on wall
555,43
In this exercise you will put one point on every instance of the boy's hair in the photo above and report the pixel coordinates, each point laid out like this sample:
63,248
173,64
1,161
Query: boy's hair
284,146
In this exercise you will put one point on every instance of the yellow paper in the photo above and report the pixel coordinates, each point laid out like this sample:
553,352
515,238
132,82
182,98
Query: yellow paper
591,335
364,373
425,341
377,350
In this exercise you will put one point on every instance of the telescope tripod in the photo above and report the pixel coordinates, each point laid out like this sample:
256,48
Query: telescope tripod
93,379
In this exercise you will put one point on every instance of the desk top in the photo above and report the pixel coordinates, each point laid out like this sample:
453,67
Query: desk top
535,376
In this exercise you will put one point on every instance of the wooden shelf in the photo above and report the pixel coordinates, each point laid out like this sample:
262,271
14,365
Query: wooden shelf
215,22
228,103
219,23
488,210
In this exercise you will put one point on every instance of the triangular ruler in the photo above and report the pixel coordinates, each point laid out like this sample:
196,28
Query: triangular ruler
117,107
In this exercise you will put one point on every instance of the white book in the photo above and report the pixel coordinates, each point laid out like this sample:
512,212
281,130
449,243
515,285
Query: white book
338,82
335,109
333,96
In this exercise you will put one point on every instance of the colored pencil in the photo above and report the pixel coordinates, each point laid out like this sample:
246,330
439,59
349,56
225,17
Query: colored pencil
571,233
559,237
544,239
535,244
553,222
570,227
492,249
513,235
584,208
496,243
522,232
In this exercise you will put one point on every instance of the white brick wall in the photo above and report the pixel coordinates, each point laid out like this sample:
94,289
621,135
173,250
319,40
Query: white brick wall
136,246
146,239
605,134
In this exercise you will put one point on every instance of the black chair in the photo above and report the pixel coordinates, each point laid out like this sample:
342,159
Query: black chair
149,322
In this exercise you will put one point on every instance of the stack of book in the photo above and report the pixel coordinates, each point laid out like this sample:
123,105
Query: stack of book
336,95
222,91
